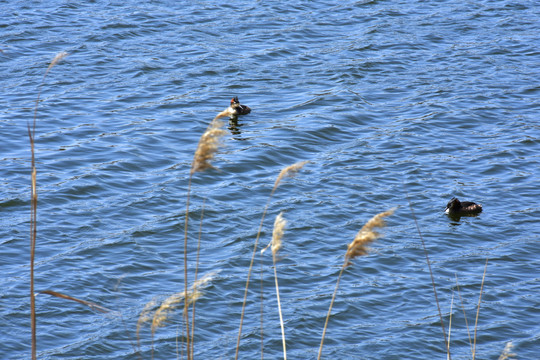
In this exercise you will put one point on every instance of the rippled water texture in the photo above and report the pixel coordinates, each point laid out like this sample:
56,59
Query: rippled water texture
387,100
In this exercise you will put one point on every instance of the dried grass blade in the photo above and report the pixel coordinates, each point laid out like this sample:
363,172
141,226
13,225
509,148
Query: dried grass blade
478,309
432,279
464,314
143,318
33,215
90,304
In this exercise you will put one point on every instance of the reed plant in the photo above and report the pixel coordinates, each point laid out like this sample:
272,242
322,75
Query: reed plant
446,343
33,204
358,247
275,245
158,314
506,353
288,171
206,149
478,309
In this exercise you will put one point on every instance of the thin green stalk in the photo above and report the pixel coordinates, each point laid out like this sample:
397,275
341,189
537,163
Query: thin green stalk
186,303
464,315
249,276
262,310
330,311
196,275
432,280
33,214
478,309
450,321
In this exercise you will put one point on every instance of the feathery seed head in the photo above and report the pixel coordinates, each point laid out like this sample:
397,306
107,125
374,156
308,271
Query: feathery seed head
365,236
289,171
56,59
208,145
277,234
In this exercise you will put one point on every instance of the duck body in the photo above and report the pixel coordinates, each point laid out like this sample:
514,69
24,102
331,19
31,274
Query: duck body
462,208
236,109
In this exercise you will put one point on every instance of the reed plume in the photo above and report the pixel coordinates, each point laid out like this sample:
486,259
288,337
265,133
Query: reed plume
289,171
206,149
366,235
208,146
145,317
33,202
507,354
277,234
169,305
358,247
55,61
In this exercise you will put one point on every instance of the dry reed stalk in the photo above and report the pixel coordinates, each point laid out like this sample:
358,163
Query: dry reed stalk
507,354
450,321
144,317
277,235
464,315
33,213
478,309
286,172
447,345
358,247
206,149
196,274
90,304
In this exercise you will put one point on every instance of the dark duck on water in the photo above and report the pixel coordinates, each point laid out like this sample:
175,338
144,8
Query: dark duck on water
465,208
234,110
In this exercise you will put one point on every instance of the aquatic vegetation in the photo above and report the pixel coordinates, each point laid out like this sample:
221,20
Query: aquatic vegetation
275,244
358,247
159,313
288,171
33,215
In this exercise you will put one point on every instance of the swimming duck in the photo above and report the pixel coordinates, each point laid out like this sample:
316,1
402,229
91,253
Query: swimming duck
236,109
458,208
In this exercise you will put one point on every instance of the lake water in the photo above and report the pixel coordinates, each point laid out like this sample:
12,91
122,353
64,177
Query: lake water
387,100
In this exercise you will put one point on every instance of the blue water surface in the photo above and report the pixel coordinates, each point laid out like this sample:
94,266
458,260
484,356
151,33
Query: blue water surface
393,103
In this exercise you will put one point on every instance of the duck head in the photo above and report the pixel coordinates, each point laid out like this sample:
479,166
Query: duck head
453,204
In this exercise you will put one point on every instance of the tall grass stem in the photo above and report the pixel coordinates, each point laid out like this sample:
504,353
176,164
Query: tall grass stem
286,172
478,309
432,280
